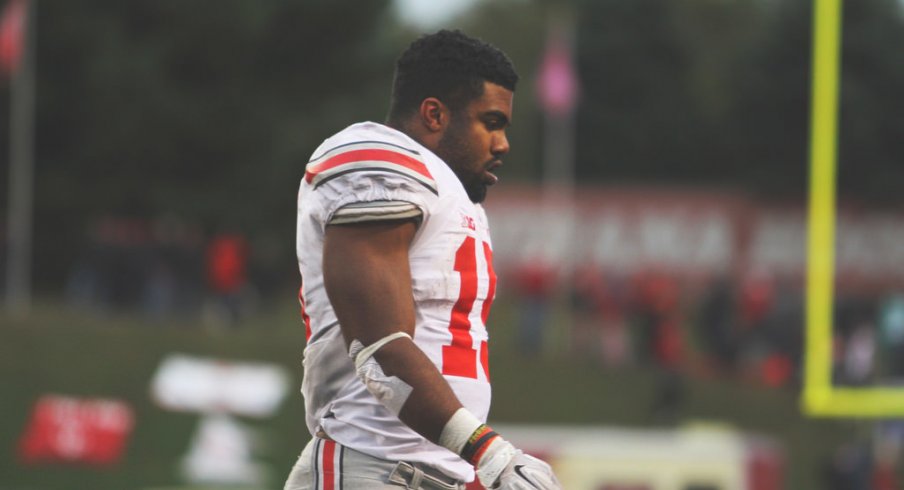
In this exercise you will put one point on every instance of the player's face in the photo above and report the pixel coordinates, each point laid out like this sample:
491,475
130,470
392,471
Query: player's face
475,141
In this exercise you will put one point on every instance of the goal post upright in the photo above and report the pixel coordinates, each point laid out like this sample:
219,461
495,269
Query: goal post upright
819,397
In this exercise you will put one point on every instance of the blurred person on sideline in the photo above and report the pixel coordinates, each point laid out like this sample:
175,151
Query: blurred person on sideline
227,275
891,334
587,291
535,282
718,334
658,319
850,467
397,281
599,332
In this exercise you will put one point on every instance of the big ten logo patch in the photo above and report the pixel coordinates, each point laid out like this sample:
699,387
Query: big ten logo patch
468,222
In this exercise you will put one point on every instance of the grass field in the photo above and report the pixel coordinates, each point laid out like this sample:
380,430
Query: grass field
79,354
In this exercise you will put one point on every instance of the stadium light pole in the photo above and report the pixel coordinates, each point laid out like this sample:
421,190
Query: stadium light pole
21,179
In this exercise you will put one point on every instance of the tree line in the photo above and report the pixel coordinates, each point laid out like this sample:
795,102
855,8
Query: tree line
208,110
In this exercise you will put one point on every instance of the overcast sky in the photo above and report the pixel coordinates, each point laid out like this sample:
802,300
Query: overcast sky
429,14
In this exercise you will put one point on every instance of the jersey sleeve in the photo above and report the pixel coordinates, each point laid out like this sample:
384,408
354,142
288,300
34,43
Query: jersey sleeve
370,181
359,212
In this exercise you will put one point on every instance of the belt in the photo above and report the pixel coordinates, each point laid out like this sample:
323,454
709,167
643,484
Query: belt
414,477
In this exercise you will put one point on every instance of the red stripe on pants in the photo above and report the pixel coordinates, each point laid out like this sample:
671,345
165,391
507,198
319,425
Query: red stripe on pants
329,469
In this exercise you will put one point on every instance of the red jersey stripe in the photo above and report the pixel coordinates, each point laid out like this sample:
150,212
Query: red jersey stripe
304,314
379,155
491,293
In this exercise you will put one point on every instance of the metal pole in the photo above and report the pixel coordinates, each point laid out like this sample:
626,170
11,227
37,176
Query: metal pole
558,154
558,125
21,180
558,186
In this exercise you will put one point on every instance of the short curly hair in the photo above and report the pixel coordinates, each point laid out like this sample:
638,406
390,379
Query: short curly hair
450,66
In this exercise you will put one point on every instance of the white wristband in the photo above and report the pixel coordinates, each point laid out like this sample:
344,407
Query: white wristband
458,429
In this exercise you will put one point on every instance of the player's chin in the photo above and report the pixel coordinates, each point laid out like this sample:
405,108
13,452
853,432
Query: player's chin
477,192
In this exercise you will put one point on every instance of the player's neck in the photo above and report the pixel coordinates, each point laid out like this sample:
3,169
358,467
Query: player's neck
414,131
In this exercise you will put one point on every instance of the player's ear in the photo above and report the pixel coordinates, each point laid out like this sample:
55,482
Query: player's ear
434,114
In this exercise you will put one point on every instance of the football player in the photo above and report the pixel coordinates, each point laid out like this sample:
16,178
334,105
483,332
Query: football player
397,275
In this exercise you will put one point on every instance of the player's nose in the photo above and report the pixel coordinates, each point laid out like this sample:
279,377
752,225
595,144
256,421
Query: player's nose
500,145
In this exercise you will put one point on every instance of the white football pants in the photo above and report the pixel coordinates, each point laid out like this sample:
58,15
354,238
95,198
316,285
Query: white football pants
327,465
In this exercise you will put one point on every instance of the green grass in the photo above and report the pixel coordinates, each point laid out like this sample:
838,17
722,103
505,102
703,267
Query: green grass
69,353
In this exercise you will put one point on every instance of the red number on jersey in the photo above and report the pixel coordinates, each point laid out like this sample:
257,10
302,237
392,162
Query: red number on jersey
460,358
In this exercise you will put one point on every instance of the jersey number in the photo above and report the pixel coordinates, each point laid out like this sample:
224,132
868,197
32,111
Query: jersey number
460,358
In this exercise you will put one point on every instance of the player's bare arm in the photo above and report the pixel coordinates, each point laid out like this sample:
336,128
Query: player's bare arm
368,281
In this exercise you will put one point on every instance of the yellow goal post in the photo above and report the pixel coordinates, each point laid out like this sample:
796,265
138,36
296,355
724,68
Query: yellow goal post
820,397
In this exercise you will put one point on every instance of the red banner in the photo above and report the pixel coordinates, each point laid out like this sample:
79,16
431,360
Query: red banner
689,234
71,430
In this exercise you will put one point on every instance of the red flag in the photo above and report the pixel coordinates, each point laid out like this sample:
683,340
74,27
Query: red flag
557,87
12,35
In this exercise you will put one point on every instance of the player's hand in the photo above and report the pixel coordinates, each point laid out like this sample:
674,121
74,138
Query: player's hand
526,472
502,467
498,464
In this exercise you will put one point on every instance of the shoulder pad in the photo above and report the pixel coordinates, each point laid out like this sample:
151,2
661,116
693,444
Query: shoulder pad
368,155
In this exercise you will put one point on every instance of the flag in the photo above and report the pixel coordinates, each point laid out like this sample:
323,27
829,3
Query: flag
557,84
12,35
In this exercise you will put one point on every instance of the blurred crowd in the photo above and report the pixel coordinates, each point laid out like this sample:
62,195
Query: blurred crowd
749,326
747,329
165,268
870,462
651,317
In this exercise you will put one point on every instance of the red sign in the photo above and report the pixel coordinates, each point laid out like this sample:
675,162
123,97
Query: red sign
72,430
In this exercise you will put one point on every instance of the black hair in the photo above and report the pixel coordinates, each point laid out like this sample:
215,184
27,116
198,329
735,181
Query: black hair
450,66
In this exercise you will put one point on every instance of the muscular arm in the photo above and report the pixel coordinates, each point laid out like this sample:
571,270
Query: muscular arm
368,281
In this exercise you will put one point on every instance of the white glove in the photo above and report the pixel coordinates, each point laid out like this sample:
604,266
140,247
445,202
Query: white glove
502,467
526,472
499,465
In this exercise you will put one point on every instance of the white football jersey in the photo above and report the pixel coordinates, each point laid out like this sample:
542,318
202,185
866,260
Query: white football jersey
369,169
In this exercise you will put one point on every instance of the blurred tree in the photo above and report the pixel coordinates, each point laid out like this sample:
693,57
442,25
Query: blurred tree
718,36
768,122
638,119
770,119
205,110
871,149
704,92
